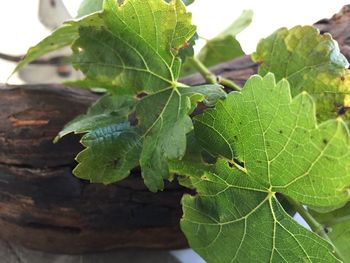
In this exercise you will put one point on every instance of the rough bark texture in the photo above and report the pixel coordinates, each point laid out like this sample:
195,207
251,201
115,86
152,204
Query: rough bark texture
43,206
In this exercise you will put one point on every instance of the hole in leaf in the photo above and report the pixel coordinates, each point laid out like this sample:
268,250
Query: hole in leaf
132,119
236,163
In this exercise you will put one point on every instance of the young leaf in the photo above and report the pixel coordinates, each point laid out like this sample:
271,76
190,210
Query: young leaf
235,220
111,152
310,62
338,225
276,141
224,46
106,111
240,24
140,41
89,6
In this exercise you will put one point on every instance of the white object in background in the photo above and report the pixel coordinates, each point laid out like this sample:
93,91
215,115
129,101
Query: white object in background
52,13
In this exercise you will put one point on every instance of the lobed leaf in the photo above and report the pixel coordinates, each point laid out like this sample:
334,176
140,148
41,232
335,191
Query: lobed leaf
233,219
140,41
276,141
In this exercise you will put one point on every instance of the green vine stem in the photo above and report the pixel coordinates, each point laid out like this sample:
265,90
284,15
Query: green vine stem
315,226
212,78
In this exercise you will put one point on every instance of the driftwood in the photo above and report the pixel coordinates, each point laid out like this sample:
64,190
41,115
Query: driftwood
43,206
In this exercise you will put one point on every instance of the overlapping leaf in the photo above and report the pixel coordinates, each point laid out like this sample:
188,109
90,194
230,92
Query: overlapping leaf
136,49
276,141
106,111
310,62
163,122
111,152
234,220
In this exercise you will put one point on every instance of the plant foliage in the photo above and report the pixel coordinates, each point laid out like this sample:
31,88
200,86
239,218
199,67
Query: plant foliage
244,154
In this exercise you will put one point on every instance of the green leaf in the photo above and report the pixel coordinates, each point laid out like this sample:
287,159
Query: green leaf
233,219
89,6
140,41
224,47
60,38
276,141
107,110
338,225
241,23
111,152
310,62
164,122
191,163
160,136
219,50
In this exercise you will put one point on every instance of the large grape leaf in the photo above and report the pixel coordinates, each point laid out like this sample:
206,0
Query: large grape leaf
137,47
107,110
276,141
337,224
310,62
233,219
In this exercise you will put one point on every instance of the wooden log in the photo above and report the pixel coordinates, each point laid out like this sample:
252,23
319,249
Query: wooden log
44,207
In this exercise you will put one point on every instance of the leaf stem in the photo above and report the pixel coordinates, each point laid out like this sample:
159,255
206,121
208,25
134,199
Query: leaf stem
212,78
315,226
228,83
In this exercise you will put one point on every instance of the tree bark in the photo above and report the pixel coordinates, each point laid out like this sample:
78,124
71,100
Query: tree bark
43,206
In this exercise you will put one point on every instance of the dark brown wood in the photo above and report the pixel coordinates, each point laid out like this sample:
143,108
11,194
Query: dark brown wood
43,206
338,27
